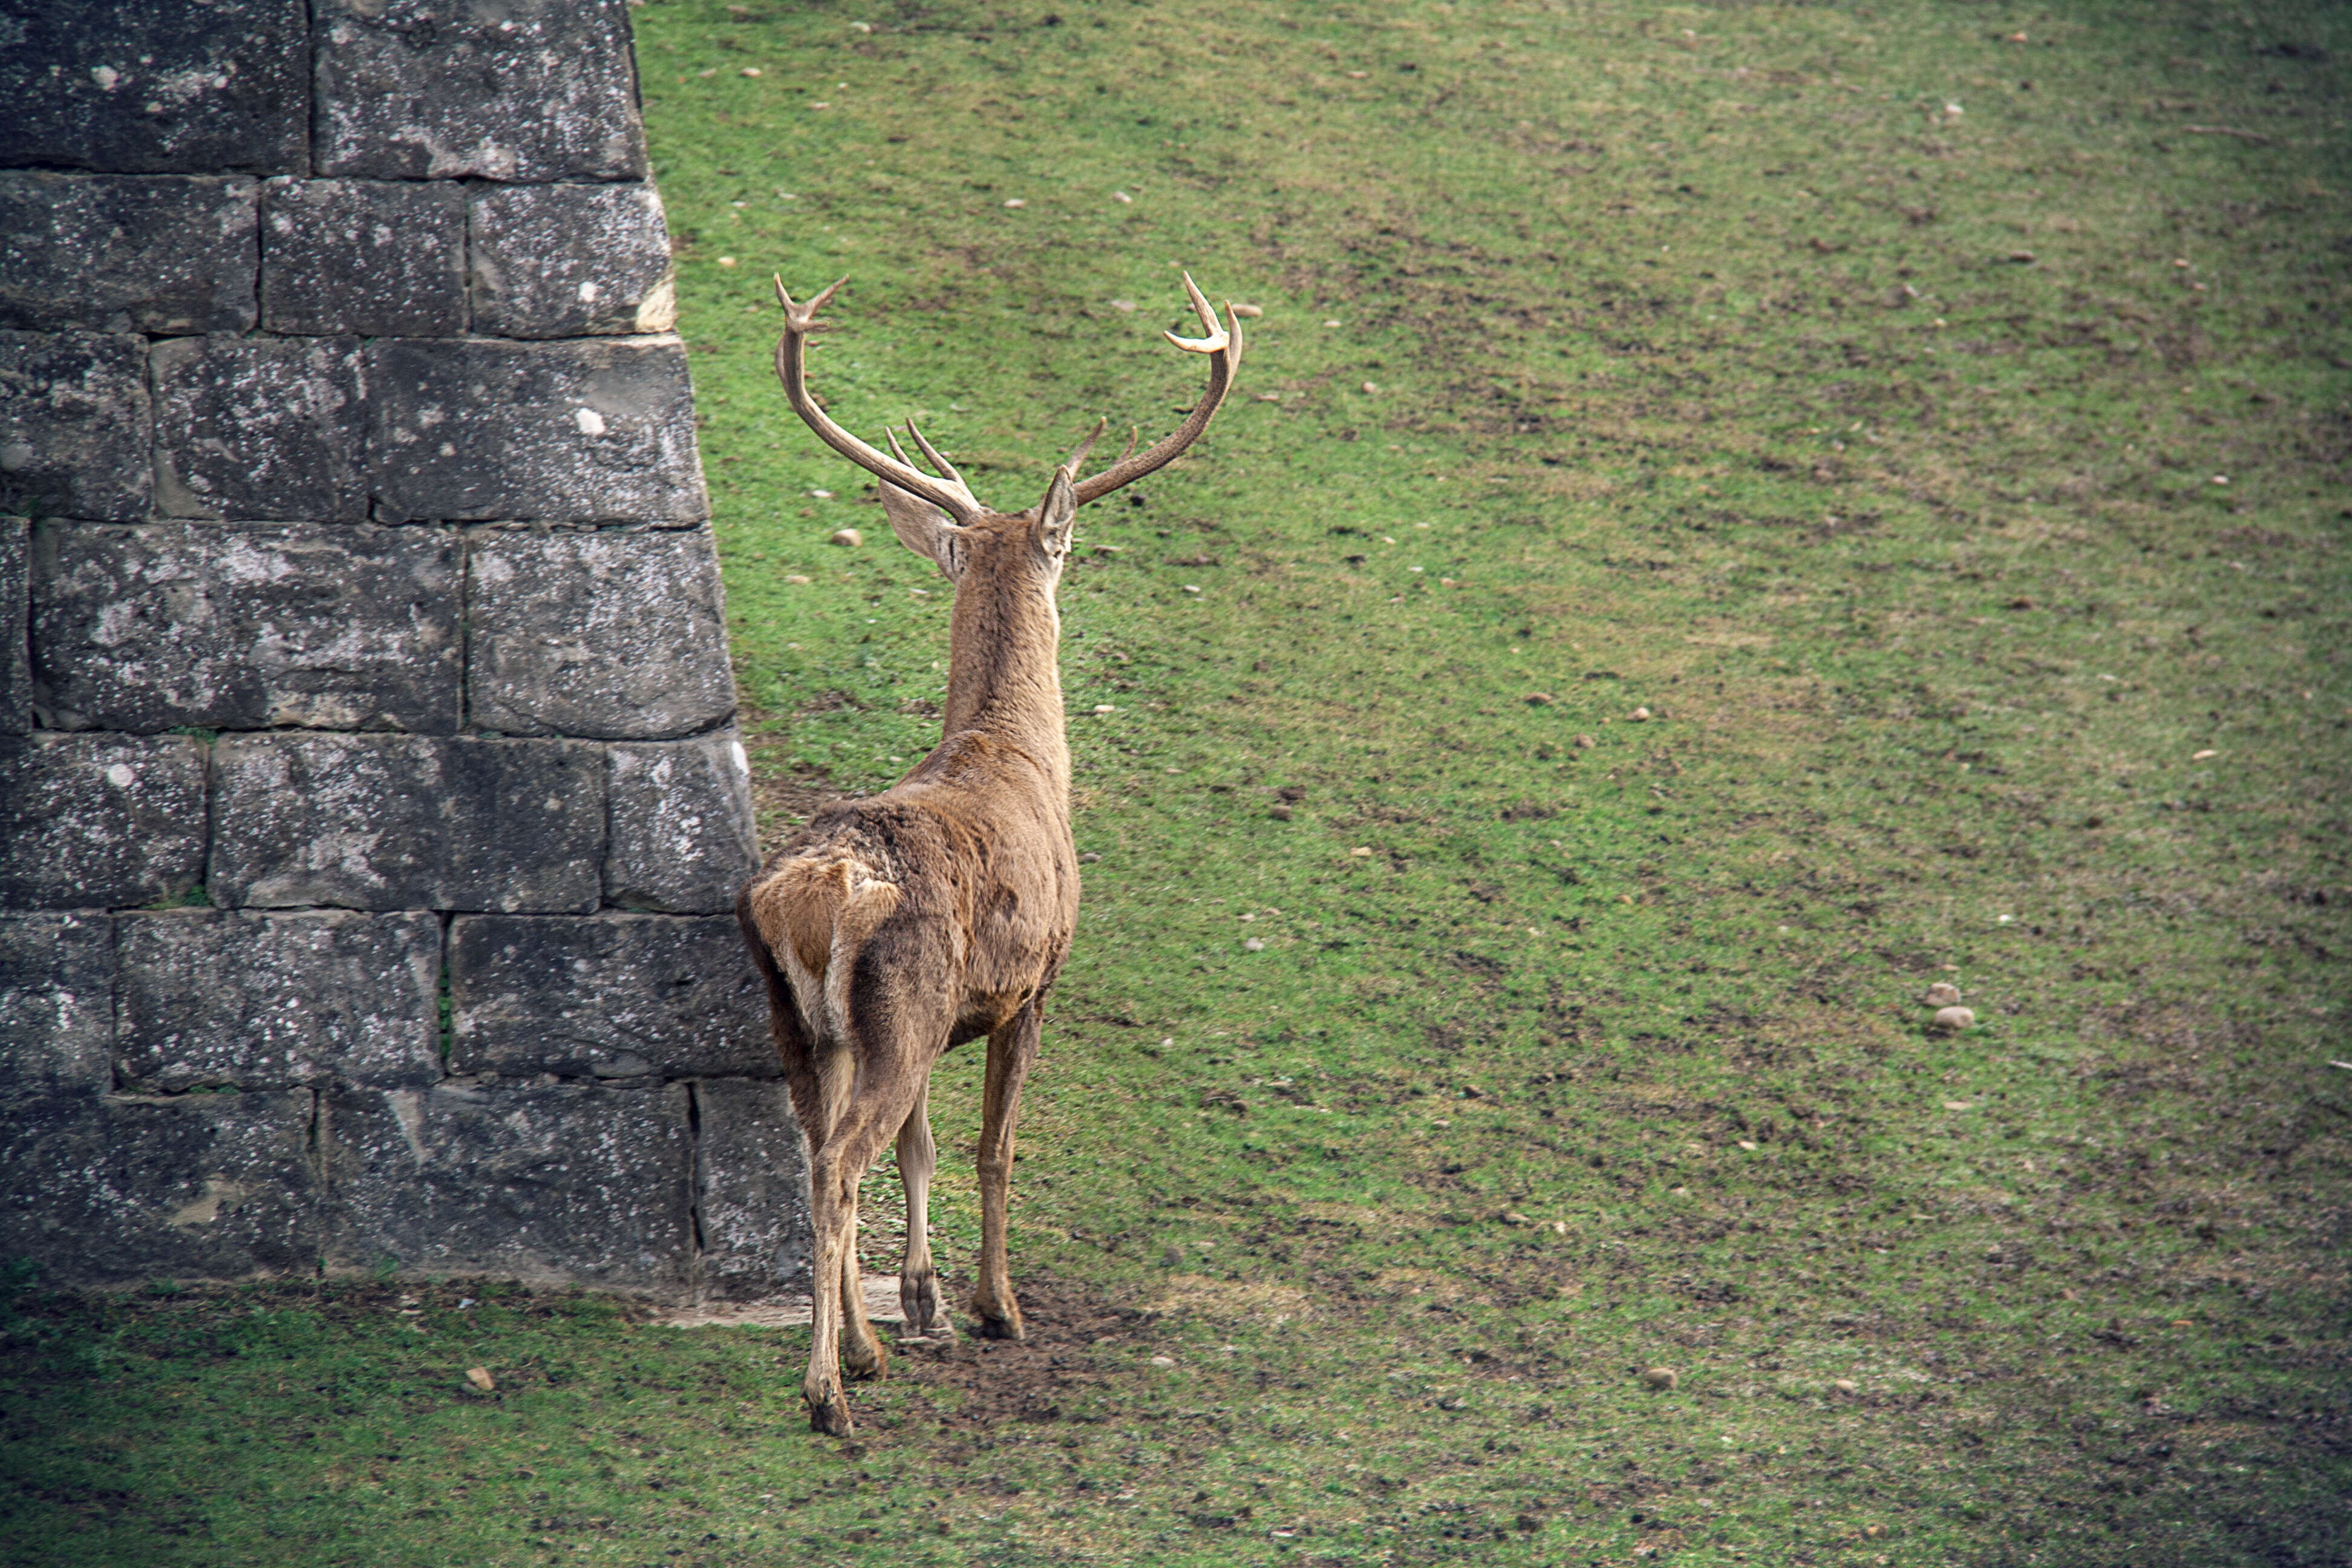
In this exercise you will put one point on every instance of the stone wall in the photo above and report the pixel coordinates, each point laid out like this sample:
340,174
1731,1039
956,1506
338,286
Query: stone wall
370,807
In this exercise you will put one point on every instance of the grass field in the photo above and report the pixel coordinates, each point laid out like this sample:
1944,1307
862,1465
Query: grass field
1935,415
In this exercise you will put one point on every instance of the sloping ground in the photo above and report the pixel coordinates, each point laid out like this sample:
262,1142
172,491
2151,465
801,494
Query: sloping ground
1934,416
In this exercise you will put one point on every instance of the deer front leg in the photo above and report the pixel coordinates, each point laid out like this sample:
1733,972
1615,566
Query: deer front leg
1010,1052
919,1281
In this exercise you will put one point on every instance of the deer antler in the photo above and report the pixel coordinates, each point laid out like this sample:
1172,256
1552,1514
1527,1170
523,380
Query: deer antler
1223,345
950,495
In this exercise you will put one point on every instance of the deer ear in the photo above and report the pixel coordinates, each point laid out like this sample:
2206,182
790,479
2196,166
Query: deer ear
1053,515
921,528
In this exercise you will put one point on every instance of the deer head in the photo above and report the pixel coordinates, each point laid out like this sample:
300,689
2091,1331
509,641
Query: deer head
937,516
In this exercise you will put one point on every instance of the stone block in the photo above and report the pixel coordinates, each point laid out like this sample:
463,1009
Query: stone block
108,253
380,259
560,261
56,1004
679,830
407,822
215,999
100,821
750,1189
618,636
75,430
614,996
16,626
515,91
574,1182
260,427
594,431
198,86
327,626
105,1190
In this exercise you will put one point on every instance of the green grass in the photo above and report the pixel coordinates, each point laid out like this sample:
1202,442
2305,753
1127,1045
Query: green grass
1700,341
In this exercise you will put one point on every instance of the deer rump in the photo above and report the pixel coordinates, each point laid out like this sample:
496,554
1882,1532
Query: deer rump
858,946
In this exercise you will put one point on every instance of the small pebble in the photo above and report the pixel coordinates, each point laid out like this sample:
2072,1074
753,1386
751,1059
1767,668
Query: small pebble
794,577
1513,1216
1163,1361
1279,812
1846,1385
1360,852
1016,202
1253,945
1943,993
480,1377
1538,699
849,537
1639,715
1664,1378
751,70
1585,743
1251,312
1955,1018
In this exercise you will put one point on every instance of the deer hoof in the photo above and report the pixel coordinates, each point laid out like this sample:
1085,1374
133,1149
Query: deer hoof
871,1366
831,1417
992,1328
926,1316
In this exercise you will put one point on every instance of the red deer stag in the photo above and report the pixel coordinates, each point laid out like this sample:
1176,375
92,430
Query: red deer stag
892,928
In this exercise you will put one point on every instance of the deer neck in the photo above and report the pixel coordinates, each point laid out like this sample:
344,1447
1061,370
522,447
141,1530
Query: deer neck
1004,671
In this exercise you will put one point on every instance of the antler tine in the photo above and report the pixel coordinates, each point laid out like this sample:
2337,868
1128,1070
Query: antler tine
1134,433
1216,338
950,495
1223,346
1071,464
932,452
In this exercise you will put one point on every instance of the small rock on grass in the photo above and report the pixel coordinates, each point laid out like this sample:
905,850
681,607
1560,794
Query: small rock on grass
480,1377
849,537
1943,993
1951,1020
1662,1378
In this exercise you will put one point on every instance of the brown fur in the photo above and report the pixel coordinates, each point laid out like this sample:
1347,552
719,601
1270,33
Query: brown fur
892,929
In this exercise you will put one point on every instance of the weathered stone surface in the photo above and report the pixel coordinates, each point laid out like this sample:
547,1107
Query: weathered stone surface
56,1004
74,425
110,253
597,431
619,635
380,259
214,999
681,835
557,261
101,821
572,1183
517,91
342,625
614,996
260,427
16,626
108,1190
191,86
407,822
752,1186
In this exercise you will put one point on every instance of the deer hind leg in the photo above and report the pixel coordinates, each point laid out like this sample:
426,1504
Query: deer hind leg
828,1408
919,1281
1011,1050
861,1347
